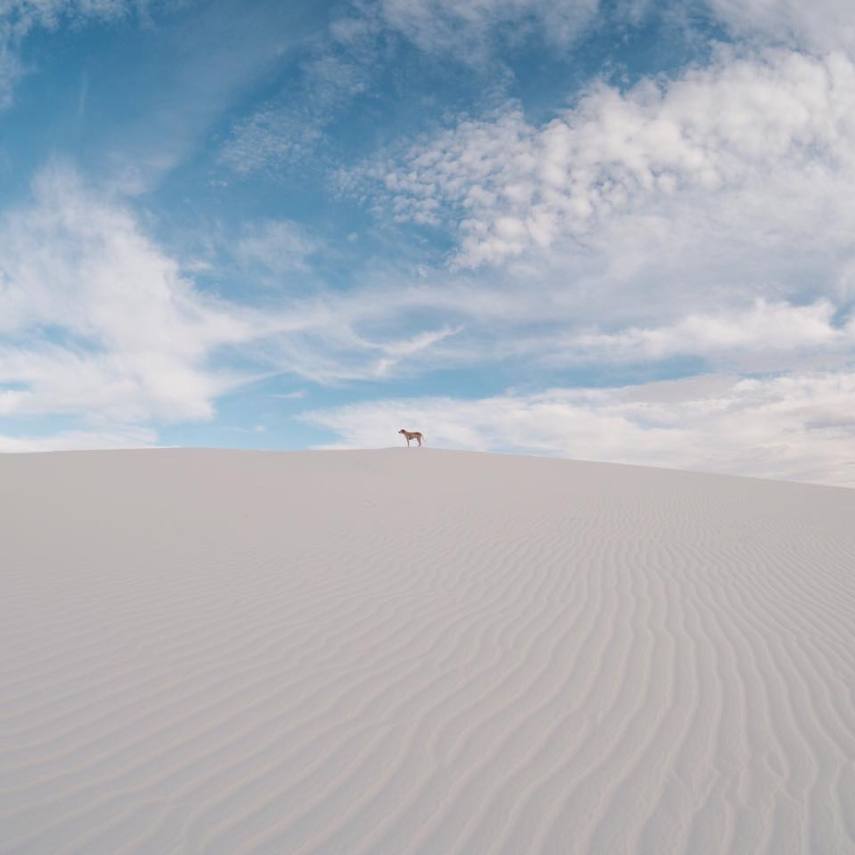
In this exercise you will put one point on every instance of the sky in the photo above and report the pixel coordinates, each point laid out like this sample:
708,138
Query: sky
617,230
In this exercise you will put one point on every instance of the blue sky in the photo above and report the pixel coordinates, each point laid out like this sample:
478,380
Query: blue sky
606,229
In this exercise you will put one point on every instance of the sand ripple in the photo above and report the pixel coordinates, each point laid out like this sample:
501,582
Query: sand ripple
421,652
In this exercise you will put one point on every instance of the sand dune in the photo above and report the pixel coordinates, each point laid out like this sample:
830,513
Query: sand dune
421,651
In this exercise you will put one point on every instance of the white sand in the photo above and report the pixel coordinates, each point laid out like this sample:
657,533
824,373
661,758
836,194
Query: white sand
419,651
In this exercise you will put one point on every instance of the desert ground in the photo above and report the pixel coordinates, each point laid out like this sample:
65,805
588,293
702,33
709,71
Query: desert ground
418,651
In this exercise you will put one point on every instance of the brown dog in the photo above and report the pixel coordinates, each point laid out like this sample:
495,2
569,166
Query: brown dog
412,434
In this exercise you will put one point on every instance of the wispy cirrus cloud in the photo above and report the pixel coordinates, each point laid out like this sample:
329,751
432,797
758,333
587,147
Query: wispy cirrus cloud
278,247
95,317
19,18
98,322
763,335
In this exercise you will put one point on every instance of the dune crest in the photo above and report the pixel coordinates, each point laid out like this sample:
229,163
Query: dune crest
415,651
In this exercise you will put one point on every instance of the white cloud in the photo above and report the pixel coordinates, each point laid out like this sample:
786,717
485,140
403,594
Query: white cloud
448,25
278,246
95,317
821,25
293,126
744,132
98,322
18,18
297,394
289,128
273,135
765,330
336,338
396,351
197,78
490,320
707,217
798,426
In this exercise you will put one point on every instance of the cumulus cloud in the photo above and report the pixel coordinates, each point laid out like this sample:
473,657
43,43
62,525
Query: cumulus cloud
798,426
819,26
740,130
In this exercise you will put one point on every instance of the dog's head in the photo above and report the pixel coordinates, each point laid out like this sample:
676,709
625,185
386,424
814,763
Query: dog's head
401,431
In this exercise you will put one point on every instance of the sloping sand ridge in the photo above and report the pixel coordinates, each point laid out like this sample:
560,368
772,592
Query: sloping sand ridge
411,651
